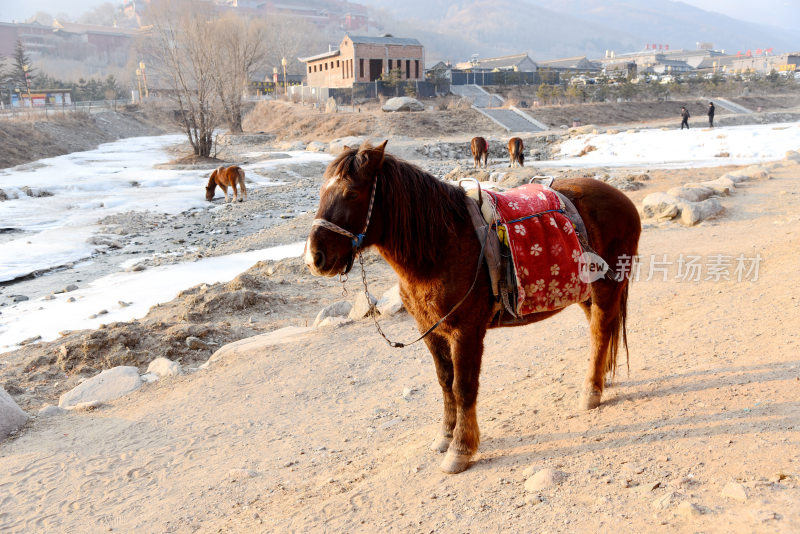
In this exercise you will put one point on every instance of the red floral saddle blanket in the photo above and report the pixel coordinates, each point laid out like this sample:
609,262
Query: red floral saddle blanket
544,248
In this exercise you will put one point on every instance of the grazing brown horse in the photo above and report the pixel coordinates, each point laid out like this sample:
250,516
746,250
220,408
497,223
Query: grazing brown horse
516,151
225,177
421,226
480,149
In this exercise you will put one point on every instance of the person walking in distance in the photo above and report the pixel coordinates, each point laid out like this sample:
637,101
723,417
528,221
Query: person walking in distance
684,117
710,114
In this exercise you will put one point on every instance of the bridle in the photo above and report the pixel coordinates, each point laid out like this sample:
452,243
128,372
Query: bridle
358,240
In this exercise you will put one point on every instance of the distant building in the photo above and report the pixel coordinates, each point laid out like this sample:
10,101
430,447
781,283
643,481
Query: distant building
576,64
765,63
67,40
517,63
365,59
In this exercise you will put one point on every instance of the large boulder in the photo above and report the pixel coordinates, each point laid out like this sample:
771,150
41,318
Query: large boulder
390,303
403,103
722,185
362,306
337,145
108,385
660,206
11,416
753,172
337,309
694,212
164,367
317,146
692,194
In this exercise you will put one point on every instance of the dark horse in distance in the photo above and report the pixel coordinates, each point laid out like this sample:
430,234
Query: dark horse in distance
516,152
421,226
480,150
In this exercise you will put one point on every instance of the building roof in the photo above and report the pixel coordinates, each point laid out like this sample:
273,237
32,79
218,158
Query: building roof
491,63
72,27
389,40
325,55
577,62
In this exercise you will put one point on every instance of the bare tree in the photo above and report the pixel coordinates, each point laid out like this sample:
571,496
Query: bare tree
181,51
241,49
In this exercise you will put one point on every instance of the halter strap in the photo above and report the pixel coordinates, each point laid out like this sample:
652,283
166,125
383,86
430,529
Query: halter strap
357,240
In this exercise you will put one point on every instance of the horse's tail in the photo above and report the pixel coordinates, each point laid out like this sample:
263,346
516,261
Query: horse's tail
619,326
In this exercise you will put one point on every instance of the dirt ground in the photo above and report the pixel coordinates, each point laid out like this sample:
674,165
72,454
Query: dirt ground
329,431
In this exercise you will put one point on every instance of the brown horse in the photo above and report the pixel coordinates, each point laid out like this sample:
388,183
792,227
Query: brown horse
516,151
480,149
421,226
225,177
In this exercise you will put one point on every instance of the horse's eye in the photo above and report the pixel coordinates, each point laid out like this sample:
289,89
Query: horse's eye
350,194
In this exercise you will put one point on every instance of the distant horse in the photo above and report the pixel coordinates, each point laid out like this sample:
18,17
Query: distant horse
516,151
480,149
421,226
225,177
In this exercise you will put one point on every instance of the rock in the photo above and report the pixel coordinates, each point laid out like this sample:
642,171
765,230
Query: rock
402,103
11,415
390,303
108,385
694,212
149,378
665,501
734,490
362,306
240,474
688,509
337,309
721,185
337,145
317,146
753,172
86,406
18,298
253,347
390,423
793,155
533,500
165,367
136,267
661,206
331,106
763,516
30,340
546,478
71,287
692,194
195,343
50,411
407,392
334,321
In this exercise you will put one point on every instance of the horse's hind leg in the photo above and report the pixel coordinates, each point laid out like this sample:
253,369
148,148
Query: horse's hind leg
604,326
243,190
440,350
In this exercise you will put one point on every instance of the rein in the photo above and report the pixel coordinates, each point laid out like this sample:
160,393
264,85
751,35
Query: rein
358,240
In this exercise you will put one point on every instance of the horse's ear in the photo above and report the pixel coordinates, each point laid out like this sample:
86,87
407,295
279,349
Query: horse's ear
377,154
345,148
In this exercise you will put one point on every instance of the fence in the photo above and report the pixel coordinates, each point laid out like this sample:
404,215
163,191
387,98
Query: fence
362,92
55,110
462,77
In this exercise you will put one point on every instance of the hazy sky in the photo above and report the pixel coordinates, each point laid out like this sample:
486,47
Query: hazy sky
782,13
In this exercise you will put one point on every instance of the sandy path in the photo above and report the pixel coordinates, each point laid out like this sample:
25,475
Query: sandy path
328,443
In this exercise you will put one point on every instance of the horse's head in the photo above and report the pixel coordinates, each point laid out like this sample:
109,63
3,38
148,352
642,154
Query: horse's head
342,223
212,185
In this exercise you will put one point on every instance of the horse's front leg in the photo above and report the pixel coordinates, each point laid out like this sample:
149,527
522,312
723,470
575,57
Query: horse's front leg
225,188
466,349
440,350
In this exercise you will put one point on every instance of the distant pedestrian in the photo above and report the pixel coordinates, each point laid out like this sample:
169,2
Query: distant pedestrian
710,114
685,117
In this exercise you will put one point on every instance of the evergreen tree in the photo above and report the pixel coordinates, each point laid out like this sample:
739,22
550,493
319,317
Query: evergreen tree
20,61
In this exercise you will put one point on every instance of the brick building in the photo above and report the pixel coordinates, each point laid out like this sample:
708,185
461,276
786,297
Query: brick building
362,59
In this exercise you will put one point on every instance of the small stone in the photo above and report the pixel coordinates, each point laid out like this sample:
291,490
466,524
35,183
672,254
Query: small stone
665,501
49,410
689,509
195,343
734,490
19,298
362,306
123,304
337,309
48,297
390,303
86,406
149,378
534,499
636,469
71,299
529,471
30,340
546,478
71,287
407,393
135,268
762,516
240,474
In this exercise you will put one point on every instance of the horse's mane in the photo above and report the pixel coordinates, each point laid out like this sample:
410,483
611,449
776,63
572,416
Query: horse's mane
421,212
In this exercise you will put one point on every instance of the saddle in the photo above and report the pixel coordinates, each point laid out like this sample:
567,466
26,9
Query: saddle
533,253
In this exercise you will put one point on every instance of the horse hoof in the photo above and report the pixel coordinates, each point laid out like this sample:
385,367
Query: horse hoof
441,444
590,400
455,462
